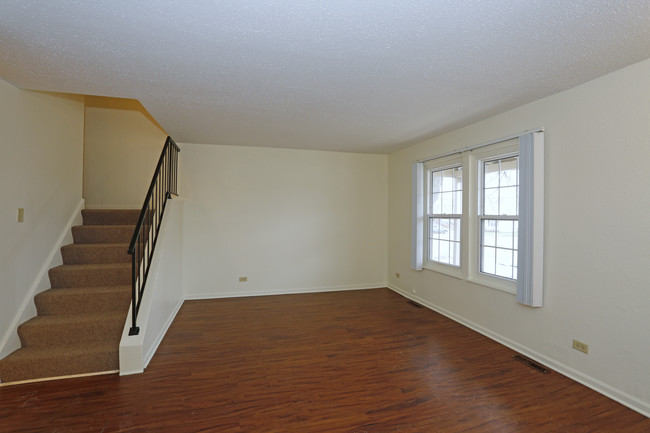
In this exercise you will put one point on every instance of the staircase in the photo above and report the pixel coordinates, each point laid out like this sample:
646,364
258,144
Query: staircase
80,319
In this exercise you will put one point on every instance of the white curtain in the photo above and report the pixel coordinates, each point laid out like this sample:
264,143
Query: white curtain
530,266
417,217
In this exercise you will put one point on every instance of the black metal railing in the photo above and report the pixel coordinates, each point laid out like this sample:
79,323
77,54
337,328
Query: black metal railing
145,235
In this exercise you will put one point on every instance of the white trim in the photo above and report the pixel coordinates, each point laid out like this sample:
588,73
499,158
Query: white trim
615,394
198,296
10,340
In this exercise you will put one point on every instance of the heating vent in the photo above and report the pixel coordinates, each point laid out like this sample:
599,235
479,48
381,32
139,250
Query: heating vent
415,304
532,364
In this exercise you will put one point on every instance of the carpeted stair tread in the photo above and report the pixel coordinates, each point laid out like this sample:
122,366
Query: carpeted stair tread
110,216
102,234
83,300
81,318
75,254
37,362
90,275
71,329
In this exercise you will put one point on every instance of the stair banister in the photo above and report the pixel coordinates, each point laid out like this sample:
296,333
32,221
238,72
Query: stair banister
145,235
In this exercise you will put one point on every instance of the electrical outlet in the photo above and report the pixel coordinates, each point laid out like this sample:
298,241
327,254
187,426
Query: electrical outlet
20,215
582,347
243,279
396,274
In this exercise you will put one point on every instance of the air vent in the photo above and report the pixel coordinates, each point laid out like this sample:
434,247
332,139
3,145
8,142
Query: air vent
532,364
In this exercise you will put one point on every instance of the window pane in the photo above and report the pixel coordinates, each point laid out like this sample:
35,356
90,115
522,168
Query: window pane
454,229
444,251
488,259
514,267
515,236
433,250
508,175
504,263
447,203
436,181
435,203
491,202
489,233
508,201
458,178
458,202
491,174
505,234
444,240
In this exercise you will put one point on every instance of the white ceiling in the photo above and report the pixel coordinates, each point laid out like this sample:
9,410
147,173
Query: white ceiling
352,75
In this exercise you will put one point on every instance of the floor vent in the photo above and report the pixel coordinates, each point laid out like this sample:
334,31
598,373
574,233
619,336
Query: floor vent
532,364
415,304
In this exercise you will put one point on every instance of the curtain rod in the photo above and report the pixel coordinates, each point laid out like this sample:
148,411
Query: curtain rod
476,146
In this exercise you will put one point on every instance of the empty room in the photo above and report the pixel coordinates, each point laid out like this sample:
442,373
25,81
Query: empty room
314,216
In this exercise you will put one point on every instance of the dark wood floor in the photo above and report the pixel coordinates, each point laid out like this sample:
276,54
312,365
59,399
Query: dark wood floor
354,362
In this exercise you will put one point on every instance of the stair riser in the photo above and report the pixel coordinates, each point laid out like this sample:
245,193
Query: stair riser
110,217
94,254
102,234
82,303
90,278
65,365
70,333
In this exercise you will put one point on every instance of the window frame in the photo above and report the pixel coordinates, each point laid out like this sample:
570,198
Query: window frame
476,158
439,164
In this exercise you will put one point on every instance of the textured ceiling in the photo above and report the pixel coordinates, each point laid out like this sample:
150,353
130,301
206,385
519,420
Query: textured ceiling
362,76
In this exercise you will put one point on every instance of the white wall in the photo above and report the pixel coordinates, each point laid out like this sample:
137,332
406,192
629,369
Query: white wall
122,147
597,241
288,220
40,171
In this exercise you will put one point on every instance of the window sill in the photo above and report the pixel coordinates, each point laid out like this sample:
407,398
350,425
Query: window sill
495,283
442,269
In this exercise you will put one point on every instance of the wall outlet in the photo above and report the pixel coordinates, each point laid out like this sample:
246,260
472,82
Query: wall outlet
20,215
243,279
396,274
582,347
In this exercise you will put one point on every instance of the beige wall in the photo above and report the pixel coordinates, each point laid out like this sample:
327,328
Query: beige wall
289,220
122,146
597,240
40,171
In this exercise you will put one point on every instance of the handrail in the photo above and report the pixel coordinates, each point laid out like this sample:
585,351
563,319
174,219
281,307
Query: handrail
145,235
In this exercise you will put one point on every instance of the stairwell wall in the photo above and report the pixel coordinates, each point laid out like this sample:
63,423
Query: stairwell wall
41,171
122,146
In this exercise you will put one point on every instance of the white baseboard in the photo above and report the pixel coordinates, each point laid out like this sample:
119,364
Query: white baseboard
219,295
27,310
615,394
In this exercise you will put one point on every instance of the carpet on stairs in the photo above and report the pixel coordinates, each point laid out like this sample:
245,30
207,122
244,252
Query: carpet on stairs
80,319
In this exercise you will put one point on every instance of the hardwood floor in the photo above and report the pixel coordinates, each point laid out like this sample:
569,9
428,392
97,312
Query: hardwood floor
353,362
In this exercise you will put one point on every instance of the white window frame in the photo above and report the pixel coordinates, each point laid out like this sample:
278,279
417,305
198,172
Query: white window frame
451,161
529,145
476,158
